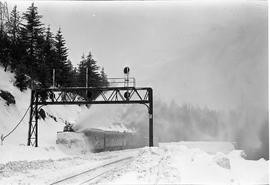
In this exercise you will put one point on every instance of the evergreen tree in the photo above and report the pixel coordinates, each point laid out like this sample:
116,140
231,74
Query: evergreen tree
74,79
33,38
94,79
20,77
16,50
4,40
49,58
33,53
69,73
104,78
4,49
81,76
14,24
62,66
49,49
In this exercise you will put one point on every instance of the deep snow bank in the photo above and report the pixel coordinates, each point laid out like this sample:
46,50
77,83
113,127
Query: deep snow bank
174,163
22,153
171,163
211,147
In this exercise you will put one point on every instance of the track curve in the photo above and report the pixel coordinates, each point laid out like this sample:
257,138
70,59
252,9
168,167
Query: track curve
88,176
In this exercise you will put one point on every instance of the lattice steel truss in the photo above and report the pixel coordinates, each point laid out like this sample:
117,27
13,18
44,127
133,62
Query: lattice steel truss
83,95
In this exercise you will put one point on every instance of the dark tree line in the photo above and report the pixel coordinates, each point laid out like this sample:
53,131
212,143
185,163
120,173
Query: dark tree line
32,51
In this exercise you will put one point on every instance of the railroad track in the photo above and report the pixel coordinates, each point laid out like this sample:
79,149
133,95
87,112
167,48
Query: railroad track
91,176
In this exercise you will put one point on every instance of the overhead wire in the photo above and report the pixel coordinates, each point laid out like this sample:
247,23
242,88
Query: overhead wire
4,137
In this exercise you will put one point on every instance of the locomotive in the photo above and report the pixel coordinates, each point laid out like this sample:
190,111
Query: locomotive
98,140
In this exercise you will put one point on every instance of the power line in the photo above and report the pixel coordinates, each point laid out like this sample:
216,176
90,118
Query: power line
4,137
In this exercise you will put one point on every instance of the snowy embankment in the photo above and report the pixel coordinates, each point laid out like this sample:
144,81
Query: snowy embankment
11,114
14,146
167,164
178,164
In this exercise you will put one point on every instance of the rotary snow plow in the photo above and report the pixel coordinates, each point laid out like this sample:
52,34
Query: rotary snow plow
97,140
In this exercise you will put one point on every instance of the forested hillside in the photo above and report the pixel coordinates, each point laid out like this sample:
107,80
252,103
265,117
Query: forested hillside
30,50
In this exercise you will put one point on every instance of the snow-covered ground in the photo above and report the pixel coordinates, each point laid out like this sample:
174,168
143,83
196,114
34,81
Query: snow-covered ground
167,164
180,162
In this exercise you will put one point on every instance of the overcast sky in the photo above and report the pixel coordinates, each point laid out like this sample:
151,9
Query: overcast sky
207,54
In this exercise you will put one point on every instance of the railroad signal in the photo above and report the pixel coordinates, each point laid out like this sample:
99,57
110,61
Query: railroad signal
127,95
126,70
126,76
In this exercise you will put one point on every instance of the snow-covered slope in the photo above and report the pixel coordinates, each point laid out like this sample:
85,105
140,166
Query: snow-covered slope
10,115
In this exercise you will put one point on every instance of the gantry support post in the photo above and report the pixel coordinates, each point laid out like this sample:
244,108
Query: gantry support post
151,140
36,120
30,119
33,120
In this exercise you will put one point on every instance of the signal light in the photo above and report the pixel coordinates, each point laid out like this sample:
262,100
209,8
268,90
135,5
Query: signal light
126,70
127,95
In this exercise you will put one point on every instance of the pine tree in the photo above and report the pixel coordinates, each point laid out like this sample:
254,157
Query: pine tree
89,63
33,38
14,24
49,58
74,74
94,77
20,77
63,67
104,78
4,40
68,74
16,50
4,50
33,53
81,79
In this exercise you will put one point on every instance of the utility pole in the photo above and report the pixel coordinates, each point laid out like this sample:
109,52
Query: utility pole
53,78
86,80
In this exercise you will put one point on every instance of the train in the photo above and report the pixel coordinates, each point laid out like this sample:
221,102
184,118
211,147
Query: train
98,140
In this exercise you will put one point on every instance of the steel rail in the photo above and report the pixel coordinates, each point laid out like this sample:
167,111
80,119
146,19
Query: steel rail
67,179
